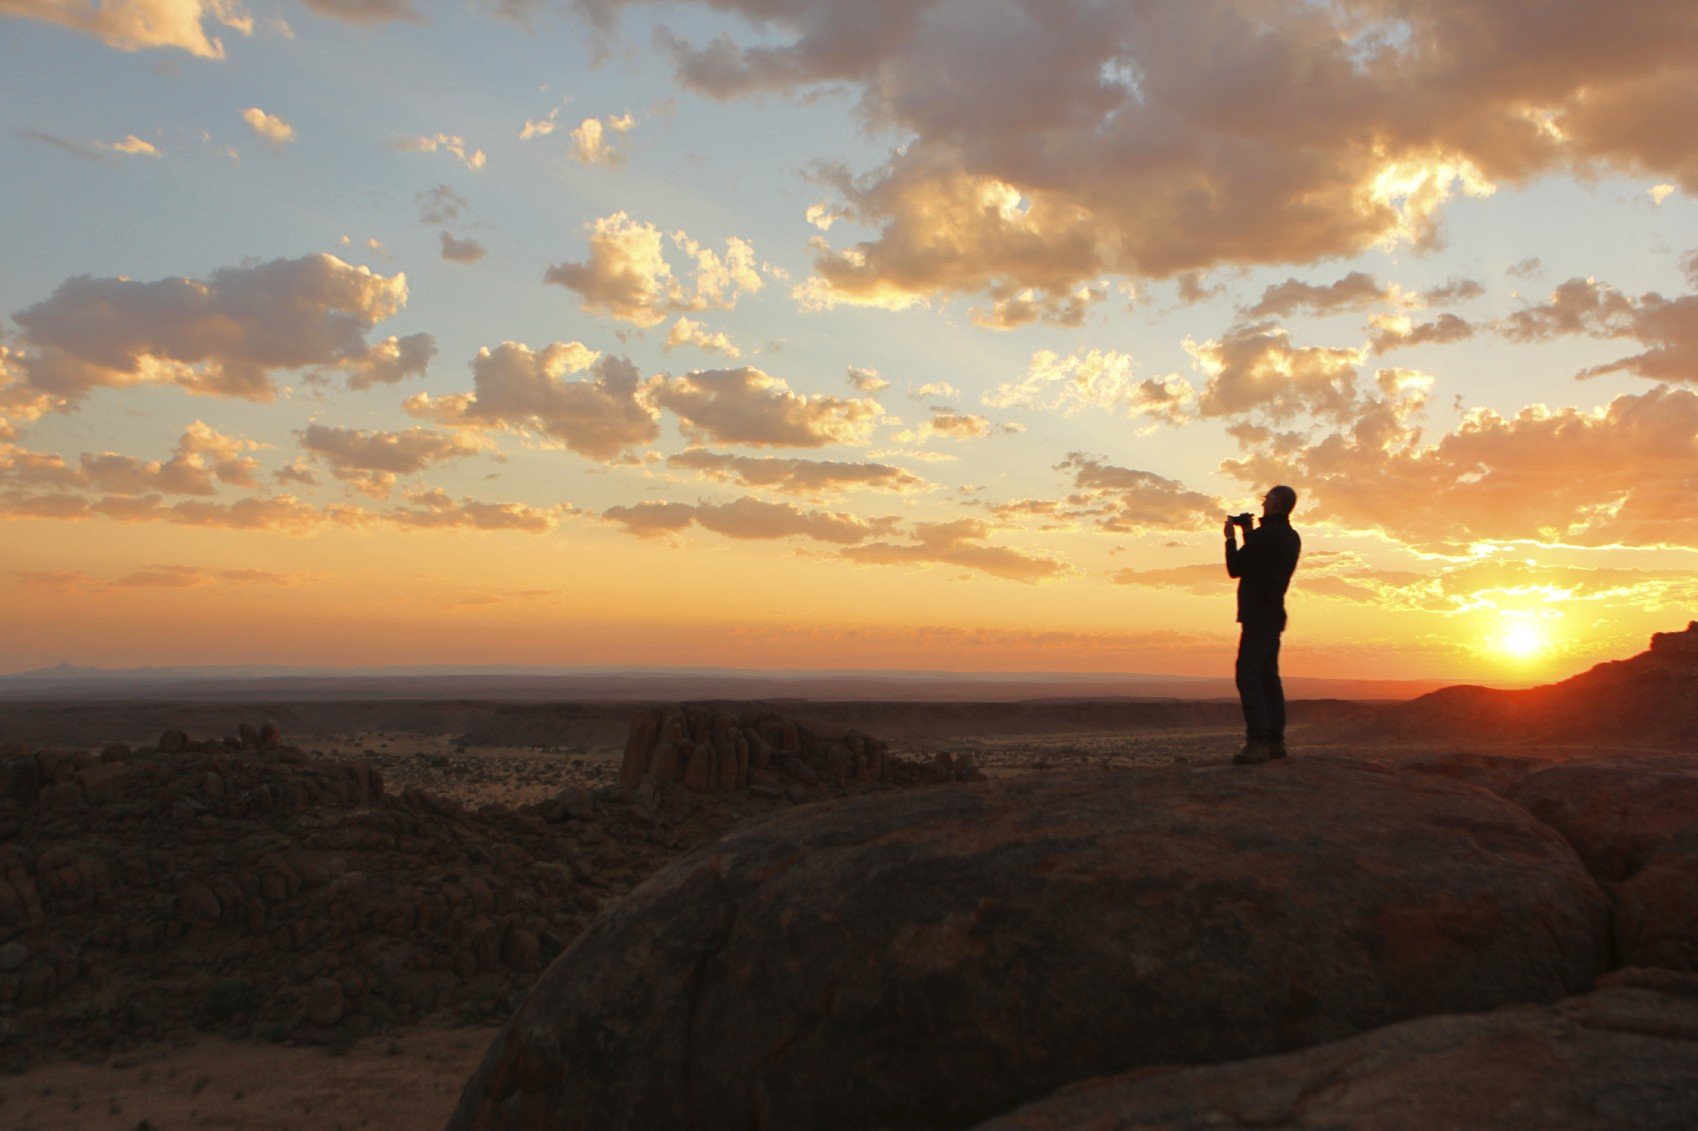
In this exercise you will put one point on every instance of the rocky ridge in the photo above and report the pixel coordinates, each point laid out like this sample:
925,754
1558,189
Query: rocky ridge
243,886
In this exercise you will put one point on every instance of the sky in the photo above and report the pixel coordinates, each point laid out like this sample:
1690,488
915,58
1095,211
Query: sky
917,334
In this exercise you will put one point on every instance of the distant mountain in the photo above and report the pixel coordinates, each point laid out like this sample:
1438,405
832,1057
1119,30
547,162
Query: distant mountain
1646,700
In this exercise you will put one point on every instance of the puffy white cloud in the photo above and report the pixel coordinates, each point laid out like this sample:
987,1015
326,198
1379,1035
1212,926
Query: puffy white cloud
627,276
1356,291
269,128
590,139
686,332
1044,146
468,156
1397,331
747,406
131,25
371,461
795,476
540,127
1119,500
390,361
526,391
1101,379
461,251
224,335
1624,473
1255,369
1586,306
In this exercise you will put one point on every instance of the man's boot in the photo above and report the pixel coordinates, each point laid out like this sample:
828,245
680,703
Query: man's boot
1255,752
1276,748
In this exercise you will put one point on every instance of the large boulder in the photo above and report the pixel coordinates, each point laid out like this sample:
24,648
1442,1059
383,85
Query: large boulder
931,959
1657,910
1626,1056
1616,812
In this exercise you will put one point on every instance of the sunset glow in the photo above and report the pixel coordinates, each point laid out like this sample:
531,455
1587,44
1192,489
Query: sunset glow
937,334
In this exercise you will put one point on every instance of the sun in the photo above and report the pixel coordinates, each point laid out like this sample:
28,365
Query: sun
1523,641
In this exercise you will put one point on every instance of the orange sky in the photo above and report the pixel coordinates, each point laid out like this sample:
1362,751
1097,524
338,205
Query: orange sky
934,335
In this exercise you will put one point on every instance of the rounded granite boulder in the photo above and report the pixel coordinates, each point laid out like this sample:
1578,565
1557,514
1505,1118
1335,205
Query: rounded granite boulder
934,958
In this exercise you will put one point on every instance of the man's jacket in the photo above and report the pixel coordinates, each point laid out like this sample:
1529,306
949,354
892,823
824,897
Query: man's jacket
1263,567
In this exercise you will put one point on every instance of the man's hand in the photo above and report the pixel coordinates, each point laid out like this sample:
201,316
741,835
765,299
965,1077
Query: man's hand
1228,529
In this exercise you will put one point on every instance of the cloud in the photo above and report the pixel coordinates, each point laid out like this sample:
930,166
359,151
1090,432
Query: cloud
133,25
472,159
1255,369
269,128
1624,473
1398,331
1585,306
390,361
461,251
204,459
1356,291
962,544
1101,379
685,332
746,519
437,510
131,146
371,461
526,392
540,127
1207,579
795,476
440,205
224,335
935,390
1044,148
196,577
747,406
954,426
627,276
866,380
1578,306
285,514
1123,500
590,140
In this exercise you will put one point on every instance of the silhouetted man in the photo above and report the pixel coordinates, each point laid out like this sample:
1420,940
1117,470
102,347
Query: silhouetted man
1263,567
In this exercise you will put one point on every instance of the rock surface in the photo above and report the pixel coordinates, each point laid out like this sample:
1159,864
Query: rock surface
932,959
712,748
1625,1056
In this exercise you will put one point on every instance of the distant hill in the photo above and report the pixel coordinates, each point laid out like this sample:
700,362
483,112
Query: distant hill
67,682
1647,700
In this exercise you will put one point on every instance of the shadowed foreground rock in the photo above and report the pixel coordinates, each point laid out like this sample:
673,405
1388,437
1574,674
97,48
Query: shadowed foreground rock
1626,1056
933,959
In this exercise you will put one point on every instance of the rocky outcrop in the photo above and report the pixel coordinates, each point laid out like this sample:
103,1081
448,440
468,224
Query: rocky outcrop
1625,1056
715,749
930,959
242,886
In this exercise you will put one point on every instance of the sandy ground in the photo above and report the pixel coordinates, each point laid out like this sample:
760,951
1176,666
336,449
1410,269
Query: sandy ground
410,1082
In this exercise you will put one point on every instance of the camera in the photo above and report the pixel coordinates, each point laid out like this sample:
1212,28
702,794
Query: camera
1246,520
